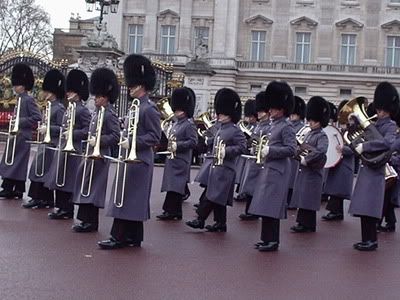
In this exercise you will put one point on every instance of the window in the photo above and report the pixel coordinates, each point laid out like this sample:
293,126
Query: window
345,92
135,38
300,90
348,49
255,88
395,1
303,47
167,39
393,51
258,45
201,37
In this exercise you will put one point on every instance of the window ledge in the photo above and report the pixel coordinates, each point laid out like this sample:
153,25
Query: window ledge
394,5
305,2
350,3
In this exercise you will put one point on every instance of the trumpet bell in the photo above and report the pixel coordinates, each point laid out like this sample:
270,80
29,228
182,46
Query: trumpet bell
205,118
165,109
69,149
355,106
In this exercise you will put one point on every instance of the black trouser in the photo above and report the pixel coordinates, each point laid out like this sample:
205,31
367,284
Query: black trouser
335,205
203,195
248,203
388,208
88,213
307,218
289,197
12,185
206,207
38,191
270,229
368,228
64,201
125,229
173,203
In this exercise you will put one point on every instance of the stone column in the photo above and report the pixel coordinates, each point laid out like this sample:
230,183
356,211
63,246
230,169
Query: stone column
150,33
185,27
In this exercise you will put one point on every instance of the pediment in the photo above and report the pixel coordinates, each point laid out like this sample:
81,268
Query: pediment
304,21
258,19
349,22
168,12
392,25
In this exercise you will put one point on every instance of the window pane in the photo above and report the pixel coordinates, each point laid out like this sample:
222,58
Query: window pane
306,56
307,37
352,56
343,55
397,58
298,53
164,45
397,41
171,45
139,45
140,29
262,51
262,36
299,37
172,30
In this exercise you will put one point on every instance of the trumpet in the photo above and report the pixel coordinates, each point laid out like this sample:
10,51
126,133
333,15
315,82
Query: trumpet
95,154
130,156
171,140
13,129
219,148
257,149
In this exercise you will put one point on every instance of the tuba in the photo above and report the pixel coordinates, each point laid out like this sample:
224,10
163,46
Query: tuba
130,156
361,131
13,129
166,112
95,154
219,147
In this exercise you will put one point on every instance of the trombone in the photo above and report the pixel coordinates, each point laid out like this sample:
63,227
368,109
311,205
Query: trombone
95,154
130,156
46,140
13,128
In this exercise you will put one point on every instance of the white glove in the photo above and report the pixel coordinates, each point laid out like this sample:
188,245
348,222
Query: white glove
124,144
92,141
42,129
174,146
359,149
303,161
264,152
223,153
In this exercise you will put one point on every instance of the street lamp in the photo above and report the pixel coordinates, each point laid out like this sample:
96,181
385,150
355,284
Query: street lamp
104,6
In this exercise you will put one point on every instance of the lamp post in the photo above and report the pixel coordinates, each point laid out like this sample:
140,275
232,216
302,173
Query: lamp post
104,6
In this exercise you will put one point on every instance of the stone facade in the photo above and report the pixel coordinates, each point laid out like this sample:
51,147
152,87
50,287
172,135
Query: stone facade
334,48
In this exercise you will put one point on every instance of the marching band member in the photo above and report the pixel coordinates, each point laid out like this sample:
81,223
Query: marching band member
91,185
339,184
269,200
308,185
13,168
54,91
250,117
252,169
297,120
63,170
229,143
177,168
134,208
368,195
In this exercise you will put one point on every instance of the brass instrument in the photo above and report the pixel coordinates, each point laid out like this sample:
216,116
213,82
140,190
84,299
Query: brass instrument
46,121
305,149
71,112
39,170
59,153
130,156
13,129
171,139
95,154
166,112
390,176
262,141
244,128
219,147
363,130
205,119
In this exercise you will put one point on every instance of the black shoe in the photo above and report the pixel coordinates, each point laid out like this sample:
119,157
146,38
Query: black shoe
366,246
387,228
61,215
268,247
111,244
166,216
34,203
196,205
300,229
133,243
197,224
6,194
84,227
258,244
332,217
186,196
240,198
247,217
18,195
216,227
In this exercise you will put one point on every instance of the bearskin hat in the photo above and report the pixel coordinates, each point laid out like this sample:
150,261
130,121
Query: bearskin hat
299,107
318,110
227,102
386,98
22,75
182,100
78,82
139,71
250,108
54,82
103,82
280,96
333,111
193,99
262,103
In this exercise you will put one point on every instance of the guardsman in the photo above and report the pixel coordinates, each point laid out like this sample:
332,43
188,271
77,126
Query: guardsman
368,195
63,170
229,143
182,137
309,180
297,120
54,92
339,184
92,174
252,168
271,188
14,163
132,207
